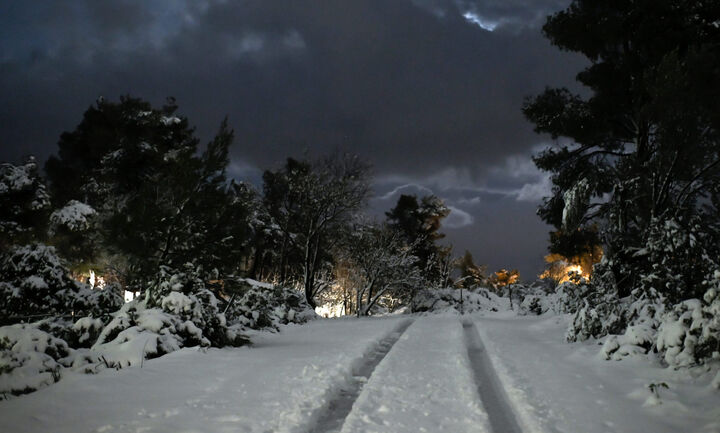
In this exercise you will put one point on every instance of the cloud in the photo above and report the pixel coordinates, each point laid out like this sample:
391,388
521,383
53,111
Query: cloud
535,192
457,218
430,99
483,23
413,187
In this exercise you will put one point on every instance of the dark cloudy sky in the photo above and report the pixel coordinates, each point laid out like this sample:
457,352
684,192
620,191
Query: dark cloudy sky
429,91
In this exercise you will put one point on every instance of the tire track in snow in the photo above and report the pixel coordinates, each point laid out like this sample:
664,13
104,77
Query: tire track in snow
334,414
500,413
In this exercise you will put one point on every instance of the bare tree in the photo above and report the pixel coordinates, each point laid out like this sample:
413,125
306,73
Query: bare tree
312,203
381,264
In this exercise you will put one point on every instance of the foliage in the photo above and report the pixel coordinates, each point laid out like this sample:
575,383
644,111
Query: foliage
158,202
689,334
419,223
644,146
24,204
454,301
679,255
503,278
312,204
267,306
471,275
36,284
380,265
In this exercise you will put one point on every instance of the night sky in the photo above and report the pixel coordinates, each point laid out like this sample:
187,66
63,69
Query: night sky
428,91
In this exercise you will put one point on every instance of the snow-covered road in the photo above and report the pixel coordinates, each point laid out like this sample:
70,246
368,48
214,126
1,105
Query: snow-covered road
439,374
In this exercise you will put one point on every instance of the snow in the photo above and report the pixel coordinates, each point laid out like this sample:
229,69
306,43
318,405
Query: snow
16,178
288,381
559,387
280,384
74,215
424,384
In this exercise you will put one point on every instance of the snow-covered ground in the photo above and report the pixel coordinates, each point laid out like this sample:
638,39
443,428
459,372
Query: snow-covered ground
278,385
287,382
559,387
424,384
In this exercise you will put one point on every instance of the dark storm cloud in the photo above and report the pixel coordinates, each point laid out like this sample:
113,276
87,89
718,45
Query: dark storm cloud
417,87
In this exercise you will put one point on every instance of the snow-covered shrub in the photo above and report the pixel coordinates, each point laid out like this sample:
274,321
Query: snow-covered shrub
182,293
450,300
680,257
74,216
566,298
100,302
34,282
598,309
138,333
636,340
85,332
643,319
533,304
600,314
265,306
29,359
186,280
690,333
182,320
178,312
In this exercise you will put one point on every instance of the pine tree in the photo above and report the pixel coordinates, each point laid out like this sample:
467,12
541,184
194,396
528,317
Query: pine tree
471,275
159,203
419,224
645,145
24,204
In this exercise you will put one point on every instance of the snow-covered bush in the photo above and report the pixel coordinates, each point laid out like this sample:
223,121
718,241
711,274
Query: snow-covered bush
643,319
74,216
534,304
690,333
265,306
137,332
450,300
29,359
679,255
600,314
34,283
100,302
537,299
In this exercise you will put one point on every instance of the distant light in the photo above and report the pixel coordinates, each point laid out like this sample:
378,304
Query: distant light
480,21
129,296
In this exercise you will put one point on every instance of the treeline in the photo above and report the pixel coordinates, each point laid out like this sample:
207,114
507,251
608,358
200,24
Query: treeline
134,197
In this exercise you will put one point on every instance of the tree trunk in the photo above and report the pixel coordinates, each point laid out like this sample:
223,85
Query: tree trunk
307,279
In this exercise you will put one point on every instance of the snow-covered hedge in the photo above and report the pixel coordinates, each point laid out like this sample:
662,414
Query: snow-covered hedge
449,301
